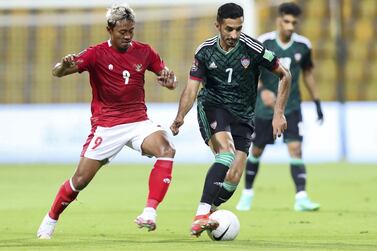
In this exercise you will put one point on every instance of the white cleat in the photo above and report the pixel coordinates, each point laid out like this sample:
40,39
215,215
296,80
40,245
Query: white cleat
147,219
47,227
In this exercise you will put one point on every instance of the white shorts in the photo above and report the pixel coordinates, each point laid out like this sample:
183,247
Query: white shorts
104,143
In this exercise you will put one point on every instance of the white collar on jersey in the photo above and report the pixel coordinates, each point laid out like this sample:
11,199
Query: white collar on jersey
109,43
282,45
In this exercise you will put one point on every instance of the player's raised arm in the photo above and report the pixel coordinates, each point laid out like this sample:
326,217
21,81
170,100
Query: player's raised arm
279,123
167,78
68,65
185,104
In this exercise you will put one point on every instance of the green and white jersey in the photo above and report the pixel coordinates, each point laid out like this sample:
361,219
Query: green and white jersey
230,78
295,55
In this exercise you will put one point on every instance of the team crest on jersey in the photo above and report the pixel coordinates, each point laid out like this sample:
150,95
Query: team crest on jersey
213,125
245,62
298,57
138,67
111,67
194,66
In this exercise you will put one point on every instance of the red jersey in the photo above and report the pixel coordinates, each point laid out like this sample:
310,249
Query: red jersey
117,81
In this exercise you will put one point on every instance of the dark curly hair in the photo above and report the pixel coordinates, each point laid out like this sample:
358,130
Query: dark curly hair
229,10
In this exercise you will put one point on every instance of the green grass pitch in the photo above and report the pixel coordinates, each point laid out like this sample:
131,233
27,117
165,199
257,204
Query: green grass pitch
102,218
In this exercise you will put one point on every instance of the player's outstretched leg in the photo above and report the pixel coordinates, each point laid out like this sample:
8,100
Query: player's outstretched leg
66,194
252,167
159,181
302,201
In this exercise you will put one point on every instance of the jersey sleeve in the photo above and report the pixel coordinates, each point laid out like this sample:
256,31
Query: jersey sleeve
268,59
307,61
86,59
156,64
198,69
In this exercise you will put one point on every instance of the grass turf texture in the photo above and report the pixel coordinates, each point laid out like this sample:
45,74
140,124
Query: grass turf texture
102,218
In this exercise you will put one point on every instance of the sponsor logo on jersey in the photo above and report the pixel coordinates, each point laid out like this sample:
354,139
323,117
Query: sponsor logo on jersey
212,65
298,57
194,66
213,125
138,67
245,62
111,67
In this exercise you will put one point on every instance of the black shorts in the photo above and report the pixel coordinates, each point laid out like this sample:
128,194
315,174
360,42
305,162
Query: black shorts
213,119
263,130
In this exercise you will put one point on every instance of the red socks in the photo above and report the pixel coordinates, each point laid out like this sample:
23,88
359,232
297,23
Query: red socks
65,196
159,181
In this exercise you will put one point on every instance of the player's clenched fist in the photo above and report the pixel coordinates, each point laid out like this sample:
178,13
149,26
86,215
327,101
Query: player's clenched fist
167,79
69,60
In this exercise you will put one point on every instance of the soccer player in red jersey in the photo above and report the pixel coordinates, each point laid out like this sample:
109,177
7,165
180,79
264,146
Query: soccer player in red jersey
119,118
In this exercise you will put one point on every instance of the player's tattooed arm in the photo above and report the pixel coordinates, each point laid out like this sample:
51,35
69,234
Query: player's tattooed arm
68,65
185,104
167,78
279,123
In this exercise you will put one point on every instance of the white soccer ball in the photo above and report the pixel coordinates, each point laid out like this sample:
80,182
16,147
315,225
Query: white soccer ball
229,226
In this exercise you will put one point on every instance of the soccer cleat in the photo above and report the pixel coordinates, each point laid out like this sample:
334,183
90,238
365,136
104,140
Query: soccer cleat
305,204
147,219
245,202
202,223
47,227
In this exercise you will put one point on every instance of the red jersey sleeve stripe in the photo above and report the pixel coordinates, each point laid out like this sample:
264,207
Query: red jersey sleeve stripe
196,78
276,65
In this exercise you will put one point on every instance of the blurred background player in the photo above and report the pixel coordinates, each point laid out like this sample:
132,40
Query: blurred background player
116,68
228,67
294,52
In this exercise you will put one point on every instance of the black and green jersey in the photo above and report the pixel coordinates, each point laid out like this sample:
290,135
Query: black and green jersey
295,55
230,78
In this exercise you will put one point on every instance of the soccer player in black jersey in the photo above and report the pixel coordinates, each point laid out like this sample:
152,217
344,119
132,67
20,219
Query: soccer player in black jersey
228,67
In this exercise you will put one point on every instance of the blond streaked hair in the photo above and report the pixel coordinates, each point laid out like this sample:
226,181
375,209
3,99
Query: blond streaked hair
119,12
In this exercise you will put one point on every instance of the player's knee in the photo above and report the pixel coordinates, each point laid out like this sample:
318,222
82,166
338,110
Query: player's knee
226,147
166,151
80,181
256,151
295,152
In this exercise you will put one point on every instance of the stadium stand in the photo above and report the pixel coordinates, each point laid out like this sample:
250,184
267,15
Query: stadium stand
34,40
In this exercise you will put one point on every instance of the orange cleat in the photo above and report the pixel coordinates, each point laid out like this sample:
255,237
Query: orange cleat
202,223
